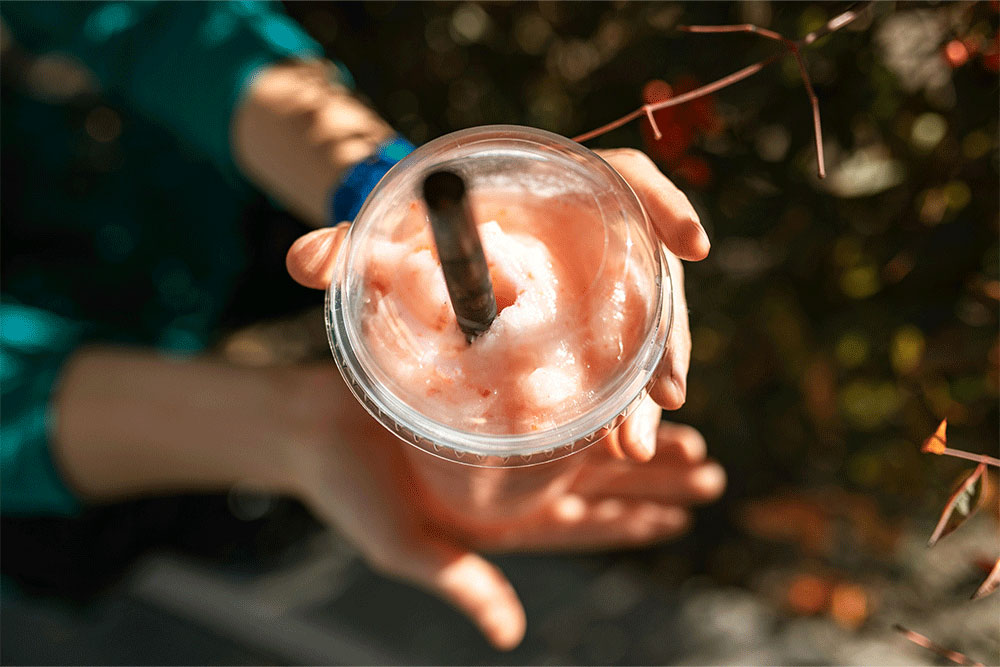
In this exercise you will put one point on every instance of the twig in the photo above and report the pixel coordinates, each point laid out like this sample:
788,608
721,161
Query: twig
836,23
990,584
791,46
937,443
969,456
707,89
921,640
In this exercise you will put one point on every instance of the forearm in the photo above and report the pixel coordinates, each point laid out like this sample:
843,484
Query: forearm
134,423
296,133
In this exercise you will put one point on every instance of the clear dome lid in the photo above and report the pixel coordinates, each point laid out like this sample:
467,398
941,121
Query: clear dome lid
582,292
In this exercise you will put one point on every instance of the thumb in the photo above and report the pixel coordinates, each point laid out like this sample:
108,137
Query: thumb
473,585
312,258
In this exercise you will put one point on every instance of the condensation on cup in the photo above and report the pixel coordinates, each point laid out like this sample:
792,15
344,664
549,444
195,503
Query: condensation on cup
495,428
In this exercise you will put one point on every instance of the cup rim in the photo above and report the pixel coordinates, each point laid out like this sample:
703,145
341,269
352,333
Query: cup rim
486,449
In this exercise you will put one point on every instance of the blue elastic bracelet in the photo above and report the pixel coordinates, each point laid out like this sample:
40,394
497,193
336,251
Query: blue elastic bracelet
362,178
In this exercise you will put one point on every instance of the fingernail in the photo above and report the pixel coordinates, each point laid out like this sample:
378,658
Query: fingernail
704,236
319,250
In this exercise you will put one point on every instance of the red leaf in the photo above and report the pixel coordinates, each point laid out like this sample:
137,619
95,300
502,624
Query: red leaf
920,640
699,112
676,136
991,583
679,125
962,504
938,441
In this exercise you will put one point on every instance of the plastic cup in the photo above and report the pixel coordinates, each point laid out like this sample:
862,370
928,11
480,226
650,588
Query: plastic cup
472,469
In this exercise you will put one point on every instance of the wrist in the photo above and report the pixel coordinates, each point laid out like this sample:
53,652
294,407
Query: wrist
315,405
296,134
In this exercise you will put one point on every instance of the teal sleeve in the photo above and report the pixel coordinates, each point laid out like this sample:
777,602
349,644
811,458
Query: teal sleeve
34,345
183,65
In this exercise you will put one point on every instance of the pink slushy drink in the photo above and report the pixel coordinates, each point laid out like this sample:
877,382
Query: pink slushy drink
582,303
559,334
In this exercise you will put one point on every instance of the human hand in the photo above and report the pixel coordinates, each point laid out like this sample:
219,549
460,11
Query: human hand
368,489
312,258
681,232
354,474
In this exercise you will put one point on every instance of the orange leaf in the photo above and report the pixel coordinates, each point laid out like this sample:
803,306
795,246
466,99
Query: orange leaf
849,605
808,594
962,504
937,442
991,583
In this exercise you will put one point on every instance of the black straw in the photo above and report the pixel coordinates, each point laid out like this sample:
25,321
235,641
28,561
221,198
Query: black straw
460,252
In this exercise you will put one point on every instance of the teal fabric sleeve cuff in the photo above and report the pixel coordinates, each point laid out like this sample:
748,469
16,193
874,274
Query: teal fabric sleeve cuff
183,65
34,346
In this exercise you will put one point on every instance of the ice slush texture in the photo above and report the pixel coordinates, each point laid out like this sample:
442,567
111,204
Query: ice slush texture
573,308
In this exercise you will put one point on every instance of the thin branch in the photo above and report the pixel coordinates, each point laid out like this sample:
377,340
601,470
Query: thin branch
652,122
680,99
791,46
969,456
814,102
937,443
947,653
837,22
990,584
613,125
742,27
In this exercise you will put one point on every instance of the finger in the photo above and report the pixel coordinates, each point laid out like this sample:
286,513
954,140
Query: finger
312,258
679,443
663,483
612,443
670,387
477,588
637,434
574,523
669,209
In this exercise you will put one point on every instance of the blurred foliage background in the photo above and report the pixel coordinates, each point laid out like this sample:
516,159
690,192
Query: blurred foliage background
835,322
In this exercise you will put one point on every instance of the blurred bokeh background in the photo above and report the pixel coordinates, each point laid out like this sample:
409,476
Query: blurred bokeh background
835,323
